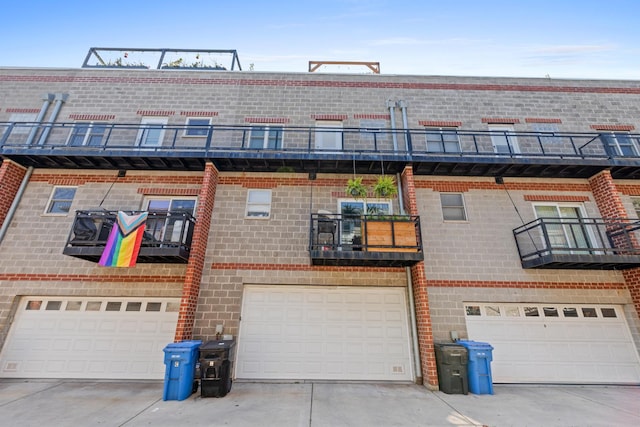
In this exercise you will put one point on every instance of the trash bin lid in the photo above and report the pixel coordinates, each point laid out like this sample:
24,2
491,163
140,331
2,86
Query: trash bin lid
476,345
217,345
183,345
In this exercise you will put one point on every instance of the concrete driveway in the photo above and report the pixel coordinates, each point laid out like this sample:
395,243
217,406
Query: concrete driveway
136,403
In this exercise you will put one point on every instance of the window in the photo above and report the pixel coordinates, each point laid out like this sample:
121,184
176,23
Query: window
197,127
326,138
258,204
564,226
636,205
472,310
60,200
22,118
352,210
169,228
503,140
87,133
547,128
620,144
266,137
151,131
453,207
442,140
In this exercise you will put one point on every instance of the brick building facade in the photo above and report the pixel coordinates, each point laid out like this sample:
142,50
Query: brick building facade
258,157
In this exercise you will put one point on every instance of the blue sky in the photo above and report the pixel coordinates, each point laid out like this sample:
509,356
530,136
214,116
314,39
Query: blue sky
558,39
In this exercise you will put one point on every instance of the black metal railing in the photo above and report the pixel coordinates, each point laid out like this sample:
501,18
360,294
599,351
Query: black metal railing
583,238
183,59
93,138
173,229
365,233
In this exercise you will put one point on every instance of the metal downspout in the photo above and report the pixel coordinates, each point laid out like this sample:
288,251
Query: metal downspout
46,98
412,306
60,98
405,123
15,203
391,105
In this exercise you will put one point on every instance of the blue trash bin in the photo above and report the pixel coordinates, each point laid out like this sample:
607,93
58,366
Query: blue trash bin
479,369
180,363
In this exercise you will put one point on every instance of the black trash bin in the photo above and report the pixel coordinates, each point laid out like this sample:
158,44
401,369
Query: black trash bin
216,368
451,361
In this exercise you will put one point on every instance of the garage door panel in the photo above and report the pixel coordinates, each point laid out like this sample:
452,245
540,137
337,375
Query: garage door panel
343,335
585,346
89,344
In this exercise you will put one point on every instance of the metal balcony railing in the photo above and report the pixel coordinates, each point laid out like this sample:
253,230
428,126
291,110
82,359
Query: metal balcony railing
336,239
167,236
96,137
586,243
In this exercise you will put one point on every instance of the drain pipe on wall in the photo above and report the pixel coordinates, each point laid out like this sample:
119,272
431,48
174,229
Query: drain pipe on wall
60,98
412,306
15,203
405,124
391,105
46,98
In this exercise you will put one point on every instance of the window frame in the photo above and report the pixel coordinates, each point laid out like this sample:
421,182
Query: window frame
613,141
462,207
442,131
503,132
323,132
202,130
149,123
52,200
88,135
588,234
158,229
249,204
268,130
22,118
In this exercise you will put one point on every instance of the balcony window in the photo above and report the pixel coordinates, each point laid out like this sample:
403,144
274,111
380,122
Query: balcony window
169,228
442,140
326,138
60,200
351,211
87,133
503,139
262,137
453,207
25,118
620,144
151,132
197,127
567,231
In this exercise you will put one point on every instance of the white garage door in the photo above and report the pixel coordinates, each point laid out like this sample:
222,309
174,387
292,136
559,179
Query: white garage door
315,332
89,338
555,343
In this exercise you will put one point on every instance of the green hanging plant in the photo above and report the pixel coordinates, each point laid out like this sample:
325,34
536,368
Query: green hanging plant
385,187
356,189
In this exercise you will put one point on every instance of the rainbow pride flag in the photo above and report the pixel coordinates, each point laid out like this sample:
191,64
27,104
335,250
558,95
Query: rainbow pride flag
124,241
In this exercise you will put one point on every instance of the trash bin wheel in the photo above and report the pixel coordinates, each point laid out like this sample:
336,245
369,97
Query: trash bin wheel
194,387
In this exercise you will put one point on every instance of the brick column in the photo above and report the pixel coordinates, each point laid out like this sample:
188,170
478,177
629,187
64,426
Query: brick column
193,276
11,175
420,294
610,205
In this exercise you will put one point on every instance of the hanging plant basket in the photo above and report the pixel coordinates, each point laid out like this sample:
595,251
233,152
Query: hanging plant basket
385,187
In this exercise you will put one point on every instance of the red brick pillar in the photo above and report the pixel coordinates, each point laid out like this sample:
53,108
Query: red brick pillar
610,205
11,175
193,276
420,294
